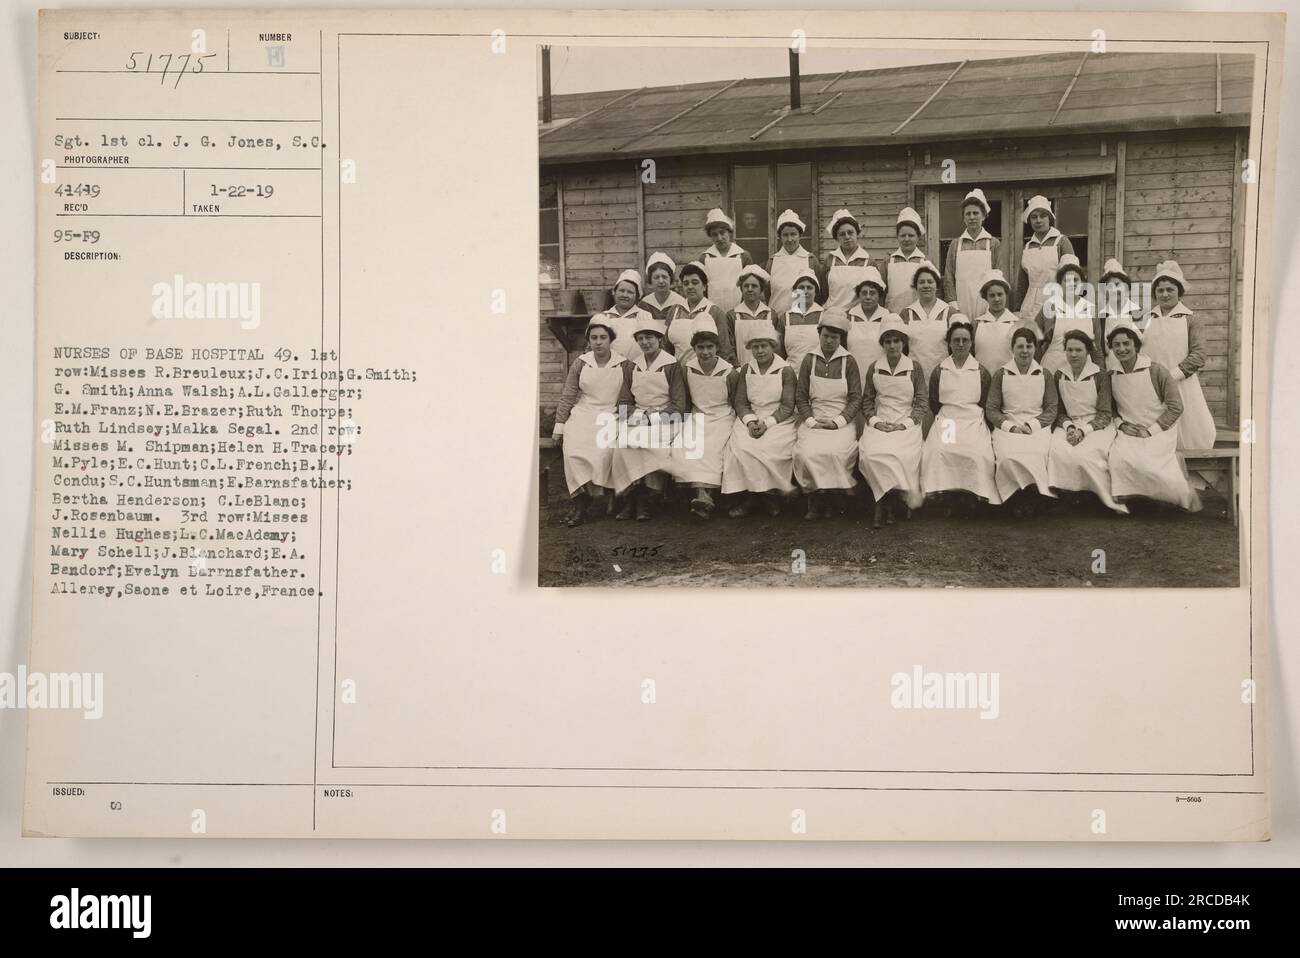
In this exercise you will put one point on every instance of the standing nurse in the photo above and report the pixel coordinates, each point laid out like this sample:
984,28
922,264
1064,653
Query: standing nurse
1174,340
751,312
903,261
845,266
724,259
1041,256
787,263
798,327
970,256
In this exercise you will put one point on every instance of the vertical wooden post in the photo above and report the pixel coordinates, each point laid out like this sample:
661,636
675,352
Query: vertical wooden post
1096,223
1017,247
1121,154
640,215
932,225
1235,251
546,84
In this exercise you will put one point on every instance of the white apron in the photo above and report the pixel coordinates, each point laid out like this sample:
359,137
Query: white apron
678,321
710,427
800,339
723,271
842,280
625,327
1040,263
864,338
1079,316
993,339
967,461
1165,341
1021,461
824,458
972,265
585,458
892,460
1145,467
785,267
647,448
745,323
898,277
764,464
925,338
1085,467
1130,314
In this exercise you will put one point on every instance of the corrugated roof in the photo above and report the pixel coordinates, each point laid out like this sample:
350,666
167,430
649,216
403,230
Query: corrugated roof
1019,96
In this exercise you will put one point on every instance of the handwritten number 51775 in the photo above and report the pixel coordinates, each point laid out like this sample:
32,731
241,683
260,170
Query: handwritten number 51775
189,63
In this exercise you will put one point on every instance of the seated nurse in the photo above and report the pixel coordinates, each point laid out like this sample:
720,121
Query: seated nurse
759,462
653,401
1021,408
828,396
591,390
893,402
1079,458
1144,459
958,454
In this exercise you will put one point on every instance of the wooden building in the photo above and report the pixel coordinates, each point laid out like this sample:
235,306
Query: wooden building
1141,155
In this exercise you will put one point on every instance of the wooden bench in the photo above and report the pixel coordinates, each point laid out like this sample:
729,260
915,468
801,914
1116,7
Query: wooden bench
1217,460
544,463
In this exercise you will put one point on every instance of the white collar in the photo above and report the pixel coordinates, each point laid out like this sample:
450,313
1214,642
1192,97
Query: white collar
613,311
970,363
1089,369
861,253
907,257
839,351
703,304
615,359
778,364
720,369
732,250
1006,317
816,308
1011,367
674,299
1128,308
879,315
919,310
904,365
665,358
1082,304
800,252
1179,310
762,308
1033,240
1114,365
983,234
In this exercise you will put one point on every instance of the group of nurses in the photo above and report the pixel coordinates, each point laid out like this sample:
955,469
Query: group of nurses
883,377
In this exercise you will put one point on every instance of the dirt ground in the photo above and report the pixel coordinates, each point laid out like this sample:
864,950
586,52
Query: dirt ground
1154,547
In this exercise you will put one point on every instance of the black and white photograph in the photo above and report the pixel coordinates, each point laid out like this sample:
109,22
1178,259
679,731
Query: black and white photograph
895,318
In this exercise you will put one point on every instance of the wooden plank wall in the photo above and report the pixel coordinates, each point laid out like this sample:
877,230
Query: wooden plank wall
1178,205
600,240
872,184
677,203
